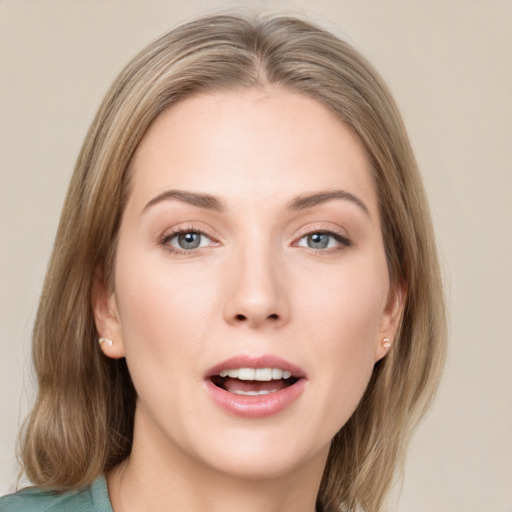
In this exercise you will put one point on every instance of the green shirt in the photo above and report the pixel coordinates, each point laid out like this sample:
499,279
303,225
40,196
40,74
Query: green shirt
33,499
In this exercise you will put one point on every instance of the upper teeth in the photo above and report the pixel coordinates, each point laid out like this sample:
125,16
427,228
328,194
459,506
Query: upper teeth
263,374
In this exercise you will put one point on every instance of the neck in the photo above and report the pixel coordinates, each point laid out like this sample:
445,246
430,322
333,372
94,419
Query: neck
132,491
159,480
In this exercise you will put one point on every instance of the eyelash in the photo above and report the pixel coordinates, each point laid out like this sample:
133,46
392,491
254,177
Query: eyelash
341,239
164,241
338,237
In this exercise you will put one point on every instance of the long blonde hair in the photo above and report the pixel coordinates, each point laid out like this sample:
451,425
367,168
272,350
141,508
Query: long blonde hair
82,422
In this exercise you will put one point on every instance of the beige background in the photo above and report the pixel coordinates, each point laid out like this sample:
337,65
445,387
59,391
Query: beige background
449,65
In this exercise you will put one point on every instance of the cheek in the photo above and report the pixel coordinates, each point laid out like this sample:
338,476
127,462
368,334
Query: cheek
164,315
345,303
343,316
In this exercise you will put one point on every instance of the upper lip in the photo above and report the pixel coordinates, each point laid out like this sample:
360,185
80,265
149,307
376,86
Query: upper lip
264,361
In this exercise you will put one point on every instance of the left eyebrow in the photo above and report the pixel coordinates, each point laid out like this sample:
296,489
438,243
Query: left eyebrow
309,200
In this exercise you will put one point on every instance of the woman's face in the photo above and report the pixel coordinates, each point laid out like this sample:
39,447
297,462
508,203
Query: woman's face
251,285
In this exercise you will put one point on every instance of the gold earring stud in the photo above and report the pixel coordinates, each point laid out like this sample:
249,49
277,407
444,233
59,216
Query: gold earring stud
106,341
386,342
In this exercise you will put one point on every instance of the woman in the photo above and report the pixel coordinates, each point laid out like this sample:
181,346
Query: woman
243,309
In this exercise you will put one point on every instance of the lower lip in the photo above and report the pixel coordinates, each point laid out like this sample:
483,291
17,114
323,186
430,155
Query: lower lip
259,406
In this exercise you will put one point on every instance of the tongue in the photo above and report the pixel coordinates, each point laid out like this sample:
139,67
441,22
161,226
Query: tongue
233,385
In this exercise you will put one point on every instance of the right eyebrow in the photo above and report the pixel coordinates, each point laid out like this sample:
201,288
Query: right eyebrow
206,201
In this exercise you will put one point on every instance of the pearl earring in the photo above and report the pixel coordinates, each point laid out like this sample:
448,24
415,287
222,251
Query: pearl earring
386,342
106,341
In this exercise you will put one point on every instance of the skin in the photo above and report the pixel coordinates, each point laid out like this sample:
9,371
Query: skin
253,287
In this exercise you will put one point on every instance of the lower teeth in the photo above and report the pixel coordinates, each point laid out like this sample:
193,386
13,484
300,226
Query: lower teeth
253,393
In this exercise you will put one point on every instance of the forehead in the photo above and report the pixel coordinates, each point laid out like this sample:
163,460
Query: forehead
249,143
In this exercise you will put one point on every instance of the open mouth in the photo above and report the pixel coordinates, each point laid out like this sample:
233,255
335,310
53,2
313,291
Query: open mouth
253,381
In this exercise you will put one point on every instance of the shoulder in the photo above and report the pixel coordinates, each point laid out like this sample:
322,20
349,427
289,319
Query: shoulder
34,499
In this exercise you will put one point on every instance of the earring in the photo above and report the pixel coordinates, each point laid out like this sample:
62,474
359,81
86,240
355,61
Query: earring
106,341
386,342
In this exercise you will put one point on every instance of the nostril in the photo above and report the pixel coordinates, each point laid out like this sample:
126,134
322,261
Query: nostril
243,318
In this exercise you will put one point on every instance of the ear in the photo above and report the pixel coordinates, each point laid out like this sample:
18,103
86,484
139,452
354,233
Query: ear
106,316
390,320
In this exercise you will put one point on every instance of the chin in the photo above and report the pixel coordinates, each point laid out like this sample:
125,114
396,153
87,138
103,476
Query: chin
263,455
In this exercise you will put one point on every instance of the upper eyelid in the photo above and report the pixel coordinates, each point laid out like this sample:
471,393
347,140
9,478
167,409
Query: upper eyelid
341,235
188,228
322,227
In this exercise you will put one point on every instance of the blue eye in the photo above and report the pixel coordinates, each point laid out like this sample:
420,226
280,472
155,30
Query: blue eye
323,240
188,240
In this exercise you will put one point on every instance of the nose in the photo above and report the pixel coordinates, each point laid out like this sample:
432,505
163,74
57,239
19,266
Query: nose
257,292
